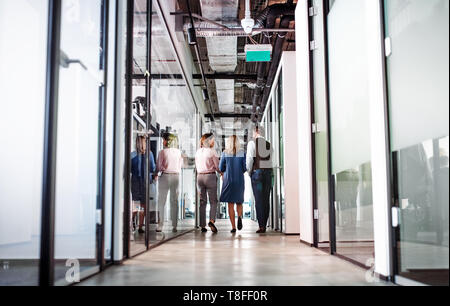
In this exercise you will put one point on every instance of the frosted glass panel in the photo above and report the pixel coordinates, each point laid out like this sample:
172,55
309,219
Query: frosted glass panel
349,81
418,70
23,47
78,134
320,111
418,75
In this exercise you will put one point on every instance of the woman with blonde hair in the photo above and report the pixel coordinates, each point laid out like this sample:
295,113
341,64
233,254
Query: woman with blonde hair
233,165
207,164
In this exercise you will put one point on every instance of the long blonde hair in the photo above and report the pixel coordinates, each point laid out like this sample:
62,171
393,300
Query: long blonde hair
233,145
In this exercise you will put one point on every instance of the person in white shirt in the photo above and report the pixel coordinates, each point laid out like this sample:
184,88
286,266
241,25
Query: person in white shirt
260,169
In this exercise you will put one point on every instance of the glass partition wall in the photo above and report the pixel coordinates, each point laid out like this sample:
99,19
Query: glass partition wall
79,160
62,118
22,138
350,128
162,108
418,75
140,158
84,159
173,113
320,121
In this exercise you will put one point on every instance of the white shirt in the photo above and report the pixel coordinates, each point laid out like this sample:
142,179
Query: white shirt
251,154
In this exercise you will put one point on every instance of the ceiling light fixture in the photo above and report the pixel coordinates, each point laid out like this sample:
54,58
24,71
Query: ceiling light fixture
248,22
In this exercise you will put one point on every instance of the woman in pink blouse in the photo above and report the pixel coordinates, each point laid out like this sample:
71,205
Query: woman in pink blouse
207,163
169,164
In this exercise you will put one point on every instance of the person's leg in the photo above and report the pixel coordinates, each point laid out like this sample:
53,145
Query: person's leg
203,200
163,190
232,215
257,190
174,196
240,211
211,183
142,216
213,200
267,188
133,217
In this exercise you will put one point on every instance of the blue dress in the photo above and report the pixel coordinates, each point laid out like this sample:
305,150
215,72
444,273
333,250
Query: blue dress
234,168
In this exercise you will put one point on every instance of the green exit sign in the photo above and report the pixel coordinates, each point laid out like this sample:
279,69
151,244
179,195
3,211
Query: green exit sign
258,53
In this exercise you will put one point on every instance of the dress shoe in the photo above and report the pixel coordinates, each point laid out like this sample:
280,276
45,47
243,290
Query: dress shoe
213,227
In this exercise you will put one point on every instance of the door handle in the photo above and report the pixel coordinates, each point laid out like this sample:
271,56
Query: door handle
66,61
395,217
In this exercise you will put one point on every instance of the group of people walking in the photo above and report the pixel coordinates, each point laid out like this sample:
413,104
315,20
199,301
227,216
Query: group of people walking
232,166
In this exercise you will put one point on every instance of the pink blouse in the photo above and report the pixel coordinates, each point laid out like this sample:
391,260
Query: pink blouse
169,161
206,161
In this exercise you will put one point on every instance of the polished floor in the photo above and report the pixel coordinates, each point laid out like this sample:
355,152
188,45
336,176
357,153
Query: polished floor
243,259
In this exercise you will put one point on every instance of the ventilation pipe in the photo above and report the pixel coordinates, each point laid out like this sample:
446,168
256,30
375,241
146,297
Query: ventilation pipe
267,19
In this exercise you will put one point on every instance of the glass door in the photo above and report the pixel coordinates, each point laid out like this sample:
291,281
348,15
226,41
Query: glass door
349,97
417,37
142,157
279,98
23,51
320,118
78,219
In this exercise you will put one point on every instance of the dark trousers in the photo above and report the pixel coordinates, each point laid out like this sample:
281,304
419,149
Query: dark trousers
262,186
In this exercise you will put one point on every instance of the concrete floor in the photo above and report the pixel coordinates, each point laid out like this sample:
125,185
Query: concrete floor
244,259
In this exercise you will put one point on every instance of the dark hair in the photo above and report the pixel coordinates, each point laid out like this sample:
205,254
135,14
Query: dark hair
205,138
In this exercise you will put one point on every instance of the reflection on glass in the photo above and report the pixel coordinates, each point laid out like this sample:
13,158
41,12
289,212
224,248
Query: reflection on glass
142,160
174,117
22,49
350,128
423,198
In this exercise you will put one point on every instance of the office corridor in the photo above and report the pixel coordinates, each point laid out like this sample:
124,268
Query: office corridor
244,259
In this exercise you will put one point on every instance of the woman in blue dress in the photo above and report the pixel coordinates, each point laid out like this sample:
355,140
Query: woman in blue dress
233,166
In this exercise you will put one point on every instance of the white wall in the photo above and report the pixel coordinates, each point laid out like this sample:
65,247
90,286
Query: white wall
305,186
291,163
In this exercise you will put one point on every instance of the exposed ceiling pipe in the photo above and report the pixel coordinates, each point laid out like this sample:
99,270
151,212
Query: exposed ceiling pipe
233,28
197,16
267,19
202,70
278,47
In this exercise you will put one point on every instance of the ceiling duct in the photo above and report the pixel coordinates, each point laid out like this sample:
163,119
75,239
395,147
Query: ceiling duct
267,19
222,51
